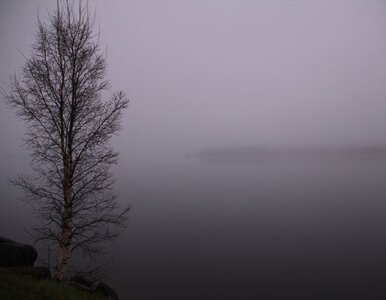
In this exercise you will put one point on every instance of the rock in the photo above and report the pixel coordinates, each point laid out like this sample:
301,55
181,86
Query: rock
87,283
41,272
35,272
106,291
83,283
13,254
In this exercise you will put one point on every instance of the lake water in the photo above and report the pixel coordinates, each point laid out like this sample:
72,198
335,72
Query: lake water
254,227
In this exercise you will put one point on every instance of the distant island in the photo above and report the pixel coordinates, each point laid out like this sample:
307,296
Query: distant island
262,153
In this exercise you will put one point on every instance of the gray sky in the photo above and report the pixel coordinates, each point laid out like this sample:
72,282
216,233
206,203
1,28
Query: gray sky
225,72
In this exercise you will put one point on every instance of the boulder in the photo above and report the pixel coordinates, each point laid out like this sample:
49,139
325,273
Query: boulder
83,283
14,254
86,283
106,291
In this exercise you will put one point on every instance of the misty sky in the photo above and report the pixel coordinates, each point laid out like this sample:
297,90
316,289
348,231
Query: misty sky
204,73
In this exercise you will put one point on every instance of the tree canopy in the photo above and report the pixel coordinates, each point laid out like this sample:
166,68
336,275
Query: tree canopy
61,97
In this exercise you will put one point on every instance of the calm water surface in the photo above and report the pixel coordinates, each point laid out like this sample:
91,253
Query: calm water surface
267,227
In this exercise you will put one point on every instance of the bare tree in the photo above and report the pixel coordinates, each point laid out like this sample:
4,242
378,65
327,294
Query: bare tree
60,97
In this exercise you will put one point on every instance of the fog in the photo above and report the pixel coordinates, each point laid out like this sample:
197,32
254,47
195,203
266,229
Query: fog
212,83
210,73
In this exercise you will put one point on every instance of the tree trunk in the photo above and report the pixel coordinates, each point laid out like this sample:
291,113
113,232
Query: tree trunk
64,259
65,244
65,235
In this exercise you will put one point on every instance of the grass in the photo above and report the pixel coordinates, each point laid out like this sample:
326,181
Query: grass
18,287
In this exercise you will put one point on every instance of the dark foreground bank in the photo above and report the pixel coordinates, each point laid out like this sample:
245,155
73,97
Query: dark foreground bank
25,287
20,279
